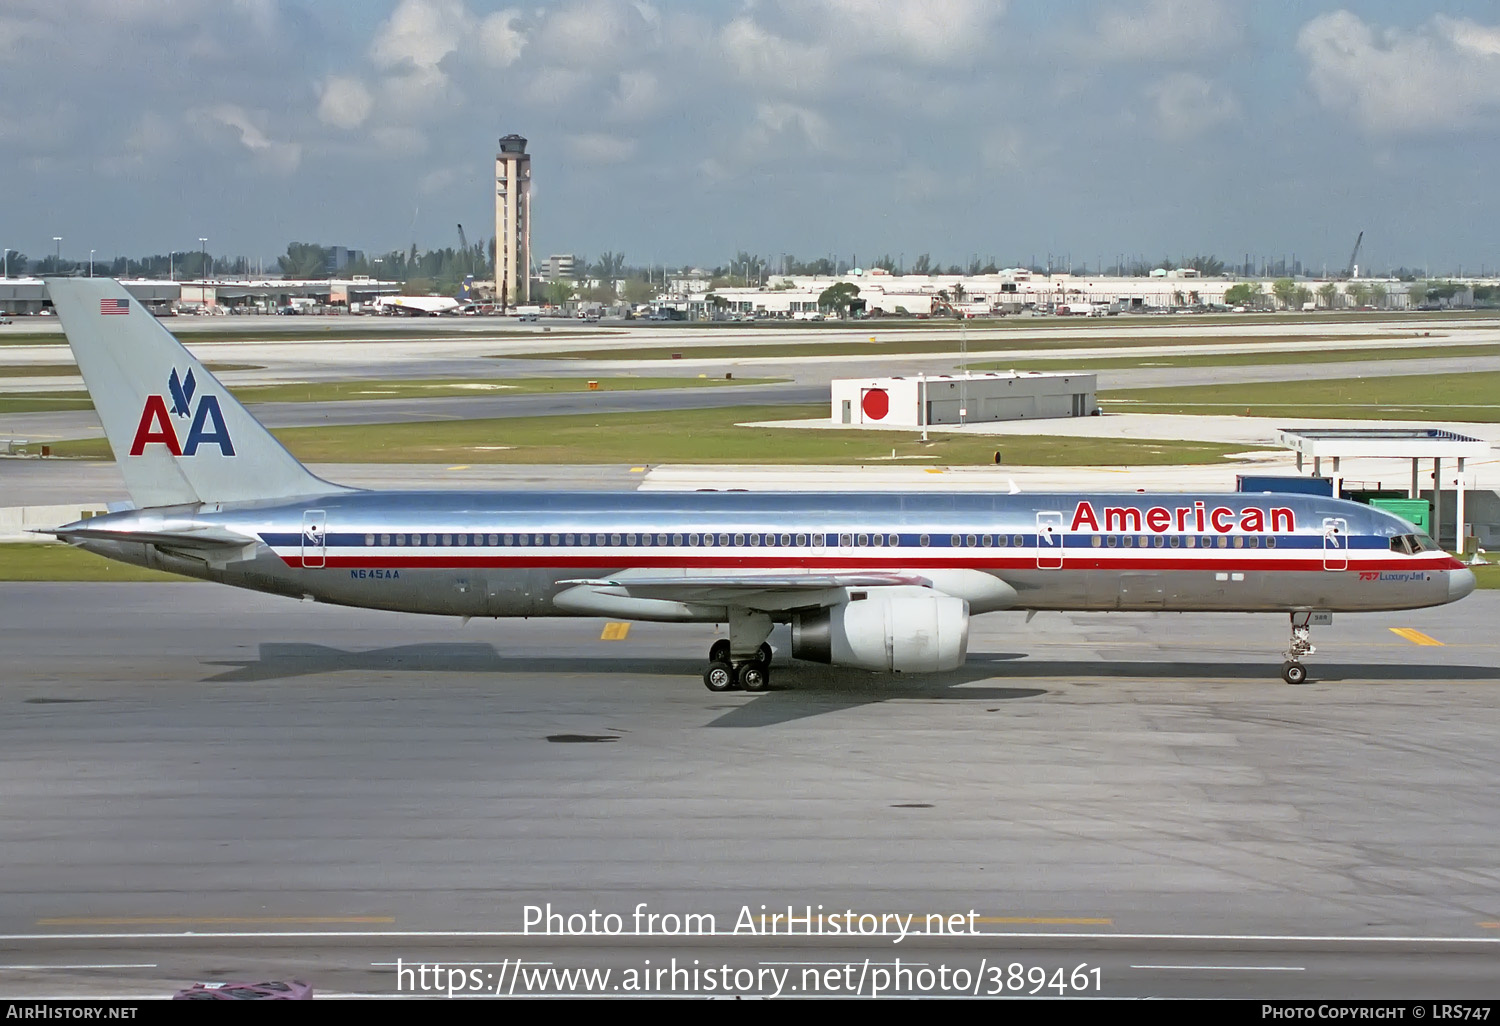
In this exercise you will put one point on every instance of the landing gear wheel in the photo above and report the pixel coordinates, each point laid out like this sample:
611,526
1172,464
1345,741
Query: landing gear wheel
763,654
718,652
1293,673
754,676
719,676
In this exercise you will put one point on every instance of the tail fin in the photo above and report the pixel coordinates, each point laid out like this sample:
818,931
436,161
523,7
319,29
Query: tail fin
177,434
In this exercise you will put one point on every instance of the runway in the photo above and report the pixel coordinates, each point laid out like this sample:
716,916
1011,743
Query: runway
315,791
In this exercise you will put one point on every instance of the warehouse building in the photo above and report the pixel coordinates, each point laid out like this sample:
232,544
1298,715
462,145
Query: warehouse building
962,399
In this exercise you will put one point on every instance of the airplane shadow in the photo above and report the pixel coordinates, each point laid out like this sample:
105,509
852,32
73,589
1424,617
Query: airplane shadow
809,689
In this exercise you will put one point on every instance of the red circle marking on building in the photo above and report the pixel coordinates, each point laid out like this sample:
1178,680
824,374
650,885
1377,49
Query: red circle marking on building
876,403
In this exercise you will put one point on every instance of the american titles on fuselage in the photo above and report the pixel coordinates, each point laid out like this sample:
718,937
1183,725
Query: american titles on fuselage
1197,518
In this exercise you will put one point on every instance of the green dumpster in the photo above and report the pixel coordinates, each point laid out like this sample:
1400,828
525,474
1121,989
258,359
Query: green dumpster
1416,511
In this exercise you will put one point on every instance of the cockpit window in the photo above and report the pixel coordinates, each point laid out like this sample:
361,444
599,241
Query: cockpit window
1411,544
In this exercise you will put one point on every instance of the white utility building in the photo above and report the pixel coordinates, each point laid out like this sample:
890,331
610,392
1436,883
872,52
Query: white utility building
962,399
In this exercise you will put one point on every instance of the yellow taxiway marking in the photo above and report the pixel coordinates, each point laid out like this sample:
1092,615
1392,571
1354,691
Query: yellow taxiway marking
637,470
934,470
615,632
461,466
215,921
1414,636
1490,925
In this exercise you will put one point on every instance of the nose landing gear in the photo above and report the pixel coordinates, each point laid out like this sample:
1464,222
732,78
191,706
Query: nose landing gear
1292,671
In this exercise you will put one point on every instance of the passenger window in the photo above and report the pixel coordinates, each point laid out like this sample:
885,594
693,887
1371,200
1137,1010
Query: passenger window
614,539
494,539
1112,541
924,541
1239,541
1223,542
786,539
971,541
432,539
676,539
1175,541
1252,542
1019,541
1097,541
864,540
645,539
1129,540
556,540
463,539
400,539
692,539
801,540
630,539
385,539
988,541
1270,543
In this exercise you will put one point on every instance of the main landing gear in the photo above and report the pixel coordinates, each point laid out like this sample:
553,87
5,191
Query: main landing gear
743,660
1292,671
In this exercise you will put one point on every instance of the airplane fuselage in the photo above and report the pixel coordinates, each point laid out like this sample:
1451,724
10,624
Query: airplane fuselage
492,554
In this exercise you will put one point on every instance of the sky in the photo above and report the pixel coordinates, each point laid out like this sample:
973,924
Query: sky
682,132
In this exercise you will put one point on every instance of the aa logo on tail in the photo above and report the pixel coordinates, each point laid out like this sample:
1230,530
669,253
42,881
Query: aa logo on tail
156,423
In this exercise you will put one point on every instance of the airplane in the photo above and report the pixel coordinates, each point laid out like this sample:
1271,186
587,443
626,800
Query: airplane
883,581
430,306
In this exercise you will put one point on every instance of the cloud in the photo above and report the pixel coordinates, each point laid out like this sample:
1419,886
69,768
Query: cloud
772,62
1443,75
639,95
599,148
280,157
779,123
1176,30
598,35
500,42
345,102
414,41
936,32
1184,105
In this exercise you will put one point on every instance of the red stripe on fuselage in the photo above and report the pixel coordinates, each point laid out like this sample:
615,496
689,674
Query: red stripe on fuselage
453,560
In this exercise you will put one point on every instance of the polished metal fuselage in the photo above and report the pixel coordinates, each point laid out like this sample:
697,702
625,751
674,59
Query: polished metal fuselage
507,554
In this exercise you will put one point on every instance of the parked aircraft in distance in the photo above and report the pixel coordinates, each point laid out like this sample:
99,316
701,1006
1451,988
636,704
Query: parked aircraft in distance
883,581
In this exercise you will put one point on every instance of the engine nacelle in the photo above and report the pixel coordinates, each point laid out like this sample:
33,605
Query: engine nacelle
911,629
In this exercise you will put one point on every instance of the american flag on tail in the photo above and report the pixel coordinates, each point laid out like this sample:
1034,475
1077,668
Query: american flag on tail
114,306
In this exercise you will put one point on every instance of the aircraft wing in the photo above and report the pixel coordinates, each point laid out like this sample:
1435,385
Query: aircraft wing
781,590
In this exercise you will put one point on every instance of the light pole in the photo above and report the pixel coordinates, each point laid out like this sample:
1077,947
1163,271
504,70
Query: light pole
57,260
6,257
91,262
203,267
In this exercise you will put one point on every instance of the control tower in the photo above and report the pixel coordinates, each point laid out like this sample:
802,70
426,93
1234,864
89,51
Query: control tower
513,221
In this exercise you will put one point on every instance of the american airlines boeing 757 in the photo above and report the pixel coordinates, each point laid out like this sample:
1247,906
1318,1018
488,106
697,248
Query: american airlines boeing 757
883,581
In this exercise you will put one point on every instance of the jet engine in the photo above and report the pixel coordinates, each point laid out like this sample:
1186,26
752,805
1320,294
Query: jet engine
910,629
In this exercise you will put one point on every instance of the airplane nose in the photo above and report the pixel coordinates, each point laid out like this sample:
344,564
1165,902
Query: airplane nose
1460,583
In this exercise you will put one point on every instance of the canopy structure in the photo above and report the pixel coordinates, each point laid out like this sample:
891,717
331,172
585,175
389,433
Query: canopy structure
1414,443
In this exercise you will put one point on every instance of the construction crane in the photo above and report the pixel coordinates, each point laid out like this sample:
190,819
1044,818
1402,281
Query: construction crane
1350,271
